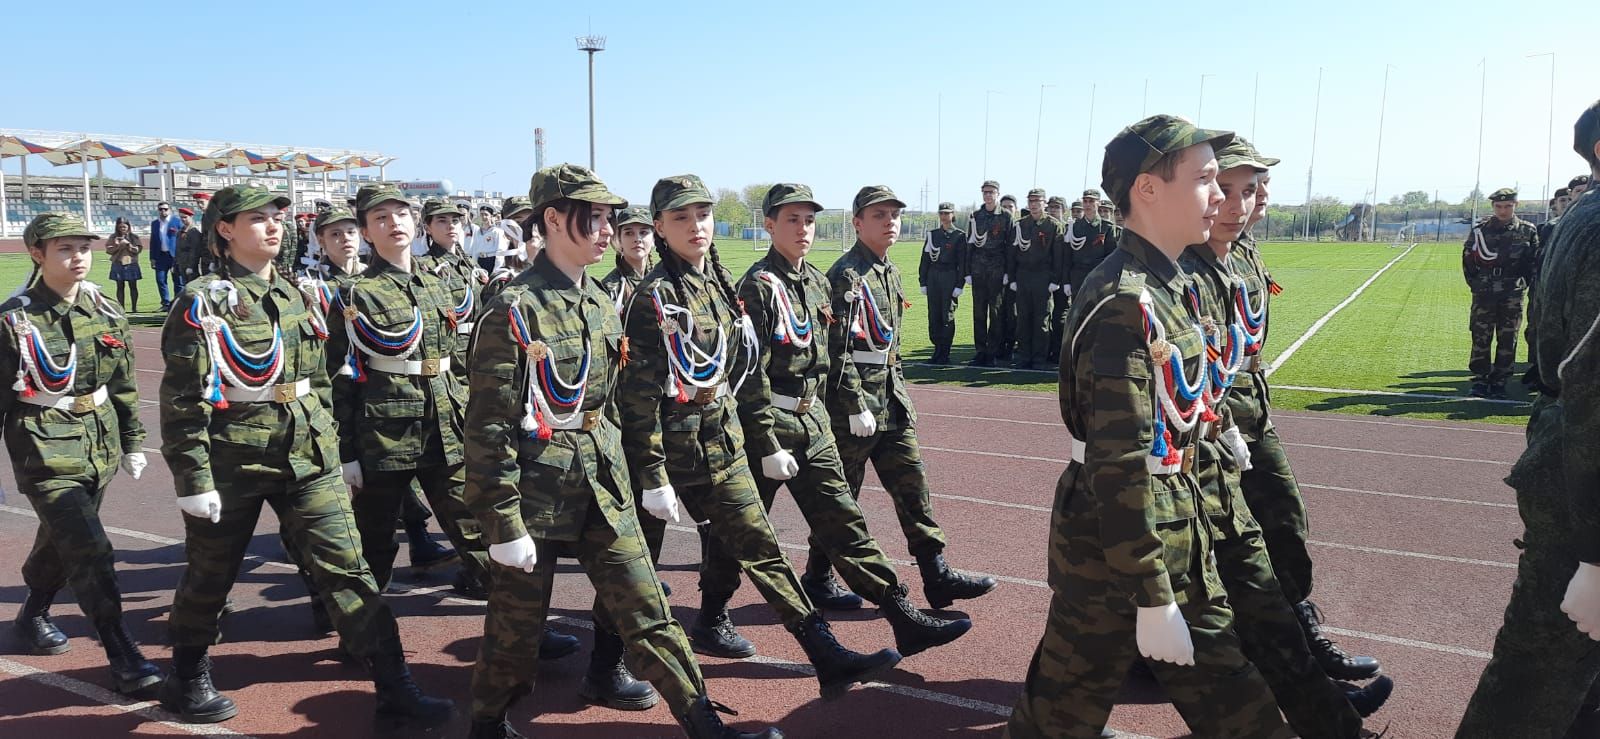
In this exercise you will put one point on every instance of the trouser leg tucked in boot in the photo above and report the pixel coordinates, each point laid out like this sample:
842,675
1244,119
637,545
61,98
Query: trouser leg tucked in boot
713,633
608,681
130,671
398,694
1334,661
823,588
915,631
188,692
838,667
942,585
702,722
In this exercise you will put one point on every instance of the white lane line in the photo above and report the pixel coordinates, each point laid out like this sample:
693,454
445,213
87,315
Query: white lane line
1393,394
1416,555
1428,645
1374,422
148,710
1397,454
1278,361
1001,455
1430,498
989,418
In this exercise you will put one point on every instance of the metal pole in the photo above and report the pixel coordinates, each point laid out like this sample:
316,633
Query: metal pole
1377,158
1316,116
88,213
24,177
1088,137
938,146
5,224
1038,135
591,111
1255,102
1201,108
1144,104
1477,182
1550,126
986,95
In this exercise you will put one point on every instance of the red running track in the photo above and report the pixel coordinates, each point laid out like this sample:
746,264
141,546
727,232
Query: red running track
1412,531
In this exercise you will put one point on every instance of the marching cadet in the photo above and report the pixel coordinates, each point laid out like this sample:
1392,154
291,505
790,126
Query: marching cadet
1033,261
70,419
1008,295
1053,208
869,407
991,234
939,272
548,473
1092,238
681,428
245,418
1061,297
1130,562
510,255
788,440
1497,260
444,224
1269,631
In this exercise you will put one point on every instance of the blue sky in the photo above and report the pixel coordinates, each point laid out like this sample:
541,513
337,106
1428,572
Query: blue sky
833,94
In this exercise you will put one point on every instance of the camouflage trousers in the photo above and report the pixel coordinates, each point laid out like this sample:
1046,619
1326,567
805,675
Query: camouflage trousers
740,532
413,510
1089,640
897,458
988,333
1542,665
71,547
379,504
1033,320
322,533
653,530
628,596
1495,319
942,283
1059,305
1274,498
836,522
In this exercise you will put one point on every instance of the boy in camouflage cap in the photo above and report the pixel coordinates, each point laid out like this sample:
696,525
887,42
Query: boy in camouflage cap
1497,260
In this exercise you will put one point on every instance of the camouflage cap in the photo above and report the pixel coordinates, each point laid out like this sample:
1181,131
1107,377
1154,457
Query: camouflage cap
1057,200
1094,193
1137,148
370,196
947,207
332,215
440,206
1269,161
1239,153
680,191
990,183
1561,192
872,195
634,214
240,198
787,193
573,182
514,205
1077,205
1037,192
47,226
1502,195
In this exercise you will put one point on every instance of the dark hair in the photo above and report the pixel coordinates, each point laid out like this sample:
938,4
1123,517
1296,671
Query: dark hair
1586,133
119,224
670,261
220,267
163,204
1166,168
576,212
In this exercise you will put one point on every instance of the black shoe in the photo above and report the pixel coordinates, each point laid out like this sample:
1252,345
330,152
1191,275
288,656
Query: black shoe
398,694
1367,700
425,552
915,631
1334,661
1025,364
837,667
982,360
1479,390
942,585
556,645
608,681
130,671
702,722
468,587
34,628
713,633
188,693
493,728
1497,391
823,588
665,588
319,615
166,307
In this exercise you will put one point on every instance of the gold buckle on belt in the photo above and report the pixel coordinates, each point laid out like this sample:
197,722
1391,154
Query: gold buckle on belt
591,419
704,396
283,394
804,406
1188,460
83,403
430,368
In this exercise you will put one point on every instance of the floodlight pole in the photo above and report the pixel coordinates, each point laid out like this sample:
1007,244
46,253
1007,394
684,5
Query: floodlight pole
589,45
1200,109
1377,158
1088,136
986,95
1316,116
1483,91
1038,135
1550,126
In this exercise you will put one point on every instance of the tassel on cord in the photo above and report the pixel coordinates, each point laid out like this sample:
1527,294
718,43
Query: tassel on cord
1273,287
1163,440
529,422
27,389
544,432
1172,456
624,361
1206,414
21,383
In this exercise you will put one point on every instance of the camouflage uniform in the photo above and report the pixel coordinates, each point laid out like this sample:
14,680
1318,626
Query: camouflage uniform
992,233
1125,533
1033,261
620,285
462,280
940,271
1091,239
1497,261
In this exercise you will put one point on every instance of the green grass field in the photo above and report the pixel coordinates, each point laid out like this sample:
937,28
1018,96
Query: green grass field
1401,342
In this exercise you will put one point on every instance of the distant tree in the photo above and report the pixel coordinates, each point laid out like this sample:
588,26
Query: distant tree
1413,199
754,194
730,209
1476,196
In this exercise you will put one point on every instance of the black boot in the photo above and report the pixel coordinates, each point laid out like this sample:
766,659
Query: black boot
398,694
608,681
466,586
713,633
702,722
319,615
837,667
1367,700
34,628
425,552
915,631
942,585
1334,661
821,586
130,671
493,728
188,692
556,645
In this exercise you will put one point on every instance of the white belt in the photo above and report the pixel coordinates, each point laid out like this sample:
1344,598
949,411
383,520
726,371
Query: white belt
1153,465
464,328
866,357
285,393
1080,450
790,403
415,367
705,395
62,401
585,421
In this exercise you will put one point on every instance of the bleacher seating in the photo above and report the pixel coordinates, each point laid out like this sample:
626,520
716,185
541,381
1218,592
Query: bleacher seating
140,214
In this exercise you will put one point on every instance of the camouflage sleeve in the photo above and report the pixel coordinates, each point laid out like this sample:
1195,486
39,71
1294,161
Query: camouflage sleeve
755,395
344,391
8,370
185,417
844,382
1120,430
641,390
124,393
923,262
1535,255
494,416
1579,372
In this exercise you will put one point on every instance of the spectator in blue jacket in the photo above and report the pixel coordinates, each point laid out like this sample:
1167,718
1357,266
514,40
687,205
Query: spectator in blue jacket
164,231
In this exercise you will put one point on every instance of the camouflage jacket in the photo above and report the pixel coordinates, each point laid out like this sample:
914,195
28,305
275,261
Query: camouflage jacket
517,483
290,248
1036,255
871,387
1499,257
944,250
621,282
667,441
990,236
398,421
1213,285
1107,395
47,443
1089,241
463,280
784,366
193,257
195,434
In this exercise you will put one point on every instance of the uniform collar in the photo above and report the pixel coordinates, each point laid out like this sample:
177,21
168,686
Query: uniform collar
1155,262
627,270
244,278
778,264
862,252
41,295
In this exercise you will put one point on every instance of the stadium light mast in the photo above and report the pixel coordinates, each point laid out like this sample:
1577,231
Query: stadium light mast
1202,106
1038,135
1550,130
1377,158
1311,167
1477,179
1088,136
590,44
986,95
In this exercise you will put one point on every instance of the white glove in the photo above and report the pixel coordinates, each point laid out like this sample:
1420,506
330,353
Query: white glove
1066,290
956,293
1163,635
1582,601
351,472
924,289
134,463
661,503
1005,279
1241,451
519,554
969,282
779,465
1013,287
1053,287
204,505
863,424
